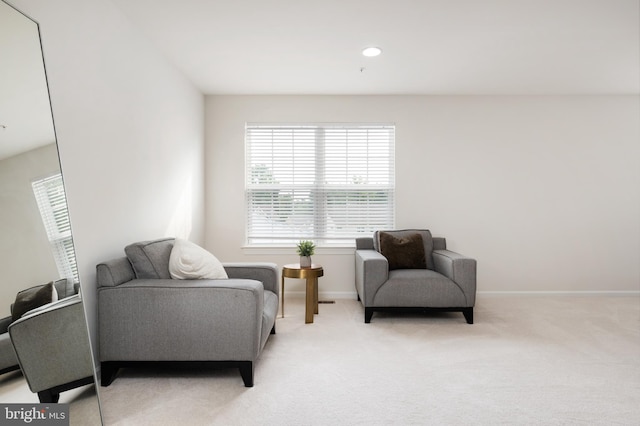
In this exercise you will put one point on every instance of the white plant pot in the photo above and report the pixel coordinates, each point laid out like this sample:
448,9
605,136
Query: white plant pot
305,261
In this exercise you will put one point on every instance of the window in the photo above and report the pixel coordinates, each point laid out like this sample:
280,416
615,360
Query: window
327,183
52,203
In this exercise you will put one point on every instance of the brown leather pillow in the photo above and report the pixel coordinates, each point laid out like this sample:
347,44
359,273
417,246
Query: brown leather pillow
403,252
32,298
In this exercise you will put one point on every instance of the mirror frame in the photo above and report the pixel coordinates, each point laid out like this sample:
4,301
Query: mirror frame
58,159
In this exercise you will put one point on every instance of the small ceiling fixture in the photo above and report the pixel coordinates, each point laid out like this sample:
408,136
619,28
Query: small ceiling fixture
371,51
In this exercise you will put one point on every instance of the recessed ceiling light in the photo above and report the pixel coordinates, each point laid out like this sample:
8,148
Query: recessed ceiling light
371,51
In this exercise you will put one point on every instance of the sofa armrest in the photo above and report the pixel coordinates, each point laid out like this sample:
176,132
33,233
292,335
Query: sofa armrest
114,272
52,344
372,270
460,269
266,273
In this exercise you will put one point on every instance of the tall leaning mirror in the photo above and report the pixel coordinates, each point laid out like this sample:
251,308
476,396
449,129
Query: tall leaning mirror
45,355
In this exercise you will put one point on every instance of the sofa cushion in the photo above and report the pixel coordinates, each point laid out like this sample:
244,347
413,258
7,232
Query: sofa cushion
32,298
64,287
189,261
403,252
150,259
427,240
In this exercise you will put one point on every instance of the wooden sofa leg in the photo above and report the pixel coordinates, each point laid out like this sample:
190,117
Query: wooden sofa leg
246,371
108,373
273,329
468,315
368,313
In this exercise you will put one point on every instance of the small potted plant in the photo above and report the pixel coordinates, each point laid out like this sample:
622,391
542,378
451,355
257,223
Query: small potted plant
305,249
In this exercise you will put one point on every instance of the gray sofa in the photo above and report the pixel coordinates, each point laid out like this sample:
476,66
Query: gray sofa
146,316
447,282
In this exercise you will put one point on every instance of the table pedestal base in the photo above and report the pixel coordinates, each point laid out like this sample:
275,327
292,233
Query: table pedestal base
311,275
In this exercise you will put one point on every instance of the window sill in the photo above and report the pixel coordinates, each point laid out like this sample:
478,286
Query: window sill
320,251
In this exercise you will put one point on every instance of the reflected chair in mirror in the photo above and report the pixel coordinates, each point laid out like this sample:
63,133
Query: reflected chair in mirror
51,344
409,270
8,360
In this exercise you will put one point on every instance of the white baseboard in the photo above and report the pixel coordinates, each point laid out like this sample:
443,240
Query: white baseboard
561,293
324,295
353,295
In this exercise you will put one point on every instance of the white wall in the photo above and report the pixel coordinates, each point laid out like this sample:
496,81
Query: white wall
542,191
26,258
130,132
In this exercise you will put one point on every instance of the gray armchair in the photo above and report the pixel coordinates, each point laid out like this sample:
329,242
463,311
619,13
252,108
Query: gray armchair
8,360
446,281
52,348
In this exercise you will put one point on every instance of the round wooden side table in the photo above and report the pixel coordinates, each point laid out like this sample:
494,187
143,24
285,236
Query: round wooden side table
311,274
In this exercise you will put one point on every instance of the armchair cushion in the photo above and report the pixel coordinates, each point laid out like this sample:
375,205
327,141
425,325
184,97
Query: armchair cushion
403,252
32,298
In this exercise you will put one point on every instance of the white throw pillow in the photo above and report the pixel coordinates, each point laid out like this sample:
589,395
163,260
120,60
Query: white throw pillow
189,261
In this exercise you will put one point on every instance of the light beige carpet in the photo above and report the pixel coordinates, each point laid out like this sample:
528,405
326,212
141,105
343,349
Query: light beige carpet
83,402
527,360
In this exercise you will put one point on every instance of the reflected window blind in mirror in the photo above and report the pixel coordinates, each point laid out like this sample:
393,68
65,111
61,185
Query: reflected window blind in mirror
52,202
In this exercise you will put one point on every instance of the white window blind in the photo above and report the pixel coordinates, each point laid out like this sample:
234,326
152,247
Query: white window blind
327,183
52,203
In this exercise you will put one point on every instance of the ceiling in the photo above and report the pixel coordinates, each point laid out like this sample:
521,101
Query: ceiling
429,46
25,113
437,47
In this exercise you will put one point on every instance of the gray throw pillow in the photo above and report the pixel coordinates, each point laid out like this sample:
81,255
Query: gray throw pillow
150,259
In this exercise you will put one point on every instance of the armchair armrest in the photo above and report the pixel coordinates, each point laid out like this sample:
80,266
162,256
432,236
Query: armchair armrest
460,269
52,344
265,272
372,270
4,324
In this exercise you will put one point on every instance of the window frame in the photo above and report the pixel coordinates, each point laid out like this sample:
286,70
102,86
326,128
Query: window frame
321,218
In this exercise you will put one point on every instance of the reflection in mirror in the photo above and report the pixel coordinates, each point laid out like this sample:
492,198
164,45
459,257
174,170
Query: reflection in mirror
36,246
